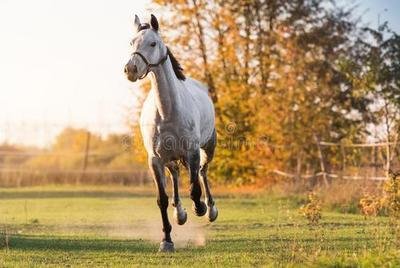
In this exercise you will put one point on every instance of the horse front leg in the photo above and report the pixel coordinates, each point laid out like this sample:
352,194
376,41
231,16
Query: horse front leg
199,207
180,215
157,170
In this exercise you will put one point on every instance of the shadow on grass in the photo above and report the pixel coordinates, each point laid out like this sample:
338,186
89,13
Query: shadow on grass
270,245
45,243
303,226
275,244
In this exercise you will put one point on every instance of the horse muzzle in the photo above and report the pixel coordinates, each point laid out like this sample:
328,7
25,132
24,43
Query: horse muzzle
131,72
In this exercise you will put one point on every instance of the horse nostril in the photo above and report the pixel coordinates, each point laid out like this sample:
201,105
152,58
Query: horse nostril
126,69
134,69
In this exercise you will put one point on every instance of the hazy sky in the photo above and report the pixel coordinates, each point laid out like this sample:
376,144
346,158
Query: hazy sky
61,62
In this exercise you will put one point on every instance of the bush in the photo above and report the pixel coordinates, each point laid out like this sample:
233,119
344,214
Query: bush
312,210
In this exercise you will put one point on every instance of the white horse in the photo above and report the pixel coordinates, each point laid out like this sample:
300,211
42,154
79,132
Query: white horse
177,124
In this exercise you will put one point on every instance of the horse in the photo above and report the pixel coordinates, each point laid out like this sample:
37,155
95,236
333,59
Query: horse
177,124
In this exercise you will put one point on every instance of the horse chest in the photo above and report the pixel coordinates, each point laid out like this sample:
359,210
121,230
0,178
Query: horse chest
174,139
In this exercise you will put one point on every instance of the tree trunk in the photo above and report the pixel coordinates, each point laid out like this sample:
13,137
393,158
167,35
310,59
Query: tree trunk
203,50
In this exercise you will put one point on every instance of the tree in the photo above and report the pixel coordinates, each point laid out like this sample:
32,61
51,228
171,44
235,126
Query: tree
376,68
280,75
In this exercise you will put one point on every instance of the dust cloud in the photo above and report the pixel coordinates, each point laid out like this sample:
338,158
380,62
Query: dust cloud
190,234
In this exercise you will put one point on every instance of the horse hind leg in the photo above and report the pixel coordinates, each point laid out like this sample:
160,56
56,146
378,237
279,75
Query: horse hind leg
199,207
206,156
212,211
180,215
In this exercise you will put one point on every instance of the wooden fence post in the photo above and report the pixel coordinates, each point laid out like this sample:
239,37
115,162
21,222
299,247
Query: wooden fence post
375,160
321,161
388,157
86,156
342,160
298,167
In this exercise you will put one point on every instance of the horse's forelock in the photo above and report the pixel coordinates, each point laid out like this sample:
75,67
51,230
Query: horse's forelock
143,26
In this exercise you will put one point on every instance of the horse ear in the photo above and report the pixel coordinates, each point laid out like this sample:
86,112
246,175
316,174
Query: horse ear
137,22
154,22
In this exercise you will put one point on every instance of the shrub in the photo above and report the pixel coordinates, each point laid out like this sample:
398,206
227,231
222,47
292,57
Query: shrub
391,199
370,205
312,210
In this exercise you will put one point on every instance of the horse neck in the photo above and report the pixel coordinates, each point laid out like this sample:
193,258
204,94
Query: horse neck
164,83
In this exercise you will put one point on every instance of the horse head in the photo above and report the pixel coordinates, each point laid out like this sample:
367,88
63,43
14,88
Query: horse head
148,49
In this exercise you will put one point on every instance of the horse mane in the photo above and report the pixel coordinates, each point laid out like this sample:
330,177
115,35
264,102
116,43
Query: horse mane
178,70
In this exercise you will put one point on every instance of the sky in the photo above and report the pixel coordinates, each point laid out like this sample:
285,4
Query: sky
61,63
386,10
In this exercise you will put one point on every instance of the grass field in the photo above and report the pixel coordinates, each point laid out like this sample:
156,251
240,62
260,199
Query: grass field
94,227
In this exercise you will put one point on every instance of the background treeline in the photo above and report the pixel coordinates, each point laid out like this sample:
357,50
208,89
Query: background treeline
77,156
69,149
285,75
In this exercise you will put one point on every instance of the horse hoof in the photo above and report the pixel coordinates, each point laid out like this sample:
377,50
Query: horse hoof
180,215
200,209
166,246
212,213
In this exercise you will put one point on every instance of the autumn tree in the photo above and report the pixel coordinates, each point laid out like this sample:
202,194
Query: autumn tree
278,73
375,67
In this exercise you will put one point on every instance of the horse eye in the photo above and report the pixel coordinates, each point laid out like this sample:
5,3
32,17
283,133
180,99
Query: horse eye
153,44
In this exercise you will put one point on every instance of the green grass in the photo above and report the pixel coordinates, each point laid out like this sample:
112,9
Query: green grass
84,226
